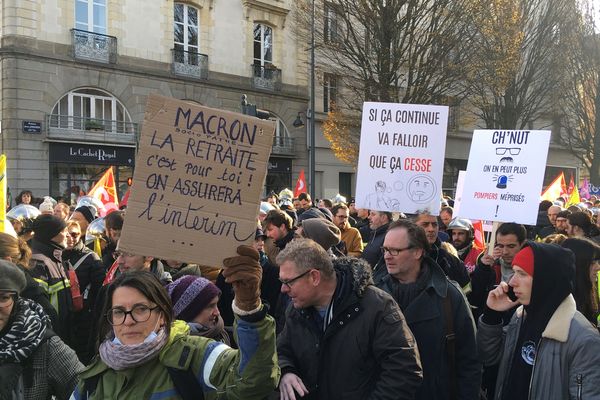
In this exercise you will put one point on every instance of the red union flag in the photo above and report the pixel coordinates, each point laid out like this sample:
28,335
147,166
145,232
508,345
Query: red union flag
478,235
105,190
556,189
300,184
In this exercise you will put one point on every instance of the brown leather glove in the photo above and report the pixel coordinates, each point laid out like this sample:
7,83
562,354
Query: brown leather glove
245,274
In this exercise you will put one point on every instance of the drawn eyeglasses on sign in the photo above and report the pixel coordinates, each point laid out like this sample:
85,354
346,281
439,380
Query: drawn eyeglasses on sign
513,151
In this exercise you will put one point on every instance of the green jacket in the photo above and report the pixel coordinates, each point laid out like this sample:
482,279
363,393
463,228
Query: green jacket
248,373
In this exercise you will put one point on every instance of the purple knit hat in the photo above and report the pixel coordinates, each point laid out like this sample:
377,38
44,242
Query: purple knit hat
190,295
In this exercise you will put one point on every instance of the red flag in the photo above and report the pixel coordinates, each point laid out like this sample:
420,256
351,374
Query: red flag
556,189
300,184
571,186
478,235
105,190
125,198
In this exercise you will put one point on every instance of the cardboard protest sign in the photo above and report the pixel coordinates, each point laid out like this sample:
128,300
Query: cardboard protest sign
504,175
197,183
401,157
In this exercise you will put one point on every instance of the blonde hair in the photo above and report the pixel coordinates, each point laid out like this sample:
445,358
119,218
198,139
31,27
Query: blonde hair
556,238
72,222
16,249
449,248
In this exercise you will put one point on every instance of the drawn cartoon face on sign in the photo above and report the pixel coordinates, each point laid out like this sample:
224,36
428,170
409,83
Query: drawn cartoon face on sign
421,189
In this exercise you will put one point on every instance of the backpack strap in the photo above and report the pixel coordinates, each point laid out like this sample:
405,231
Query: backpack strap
450,344
82,259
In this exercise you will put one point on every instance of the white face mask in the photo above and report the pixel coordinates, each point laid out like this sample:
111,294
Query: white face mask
153,335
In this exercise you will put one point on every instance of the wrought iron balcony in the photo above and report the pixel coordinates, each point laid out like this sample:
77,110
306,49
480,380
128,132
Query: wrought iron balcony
91,129
191,64
283,146
266,77
94,46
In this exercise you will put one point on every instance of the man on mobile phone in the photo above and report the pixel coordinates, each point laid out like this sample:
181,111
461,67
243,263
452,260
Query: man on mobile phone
548,350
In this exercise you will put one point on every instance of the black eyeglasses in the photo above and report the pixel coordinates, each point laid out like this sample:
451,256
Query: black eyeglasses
393,251
139,313
74,234
289,282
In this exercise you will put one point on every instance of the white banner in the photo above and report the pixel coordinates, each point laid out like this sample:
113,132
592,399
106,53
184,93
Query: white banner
504,175
401,159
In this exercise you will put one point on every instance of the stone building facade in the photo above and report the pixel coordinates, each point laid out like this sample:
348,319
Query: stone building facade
76,75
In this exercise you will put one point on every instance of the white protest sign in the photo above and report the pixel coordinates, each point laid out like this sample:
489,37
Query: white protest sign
460,184
504,175
401,157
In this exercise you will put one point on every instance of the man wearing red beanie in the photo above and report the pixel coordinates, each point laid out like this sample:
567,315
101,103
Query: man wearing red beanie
548,350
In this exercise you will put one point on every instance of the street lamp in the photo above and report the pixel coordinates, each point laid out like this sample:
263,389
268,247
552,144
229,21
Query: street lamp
298,123
311,113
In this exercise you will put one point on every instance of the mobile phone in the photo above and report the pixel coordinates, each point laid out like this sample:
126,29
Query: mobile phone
511,294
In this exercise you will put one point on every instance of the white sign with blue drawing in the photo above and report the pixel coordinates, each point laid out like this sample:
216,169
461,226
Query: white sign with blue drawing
504,175
401,158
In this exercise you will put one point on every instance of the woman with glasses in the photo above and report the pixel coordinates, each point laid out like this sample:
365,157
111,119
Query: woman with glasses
34,363
143,353
587,266
90,273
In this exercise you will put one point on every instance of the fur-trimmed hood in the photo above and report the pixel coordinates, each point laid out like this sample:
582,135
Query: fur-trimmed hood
354,270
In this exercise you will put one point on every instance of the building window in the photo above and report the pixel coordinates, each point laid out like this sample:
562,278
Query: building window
90,15
186,28
78,178
330,25
345,184
89,109
329,92
263,45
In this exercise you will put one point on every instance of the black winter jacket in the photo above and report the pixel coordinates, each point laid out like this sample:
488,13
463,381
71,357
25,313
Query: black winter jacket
427,320
90,274
452,266
372,251
55,283
366,351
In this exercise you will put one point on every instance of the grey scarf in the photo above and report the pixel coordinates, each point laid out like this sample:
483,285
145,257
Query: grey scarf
120,356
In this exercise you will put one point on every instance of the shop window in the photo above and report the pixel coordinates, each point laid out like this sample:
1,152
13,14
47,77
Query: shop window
78,179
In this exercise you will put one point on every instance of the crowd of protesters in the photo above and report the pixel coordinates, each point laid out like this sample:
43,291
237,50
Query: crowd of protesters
330,301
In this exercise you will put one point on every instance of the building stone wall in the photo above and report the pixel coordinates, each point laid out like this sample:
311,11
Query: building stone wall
38,69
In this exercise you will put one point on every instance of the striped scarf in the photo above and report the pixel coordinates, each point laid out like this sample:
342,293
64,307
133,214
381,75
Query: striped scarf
121,356
25,333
